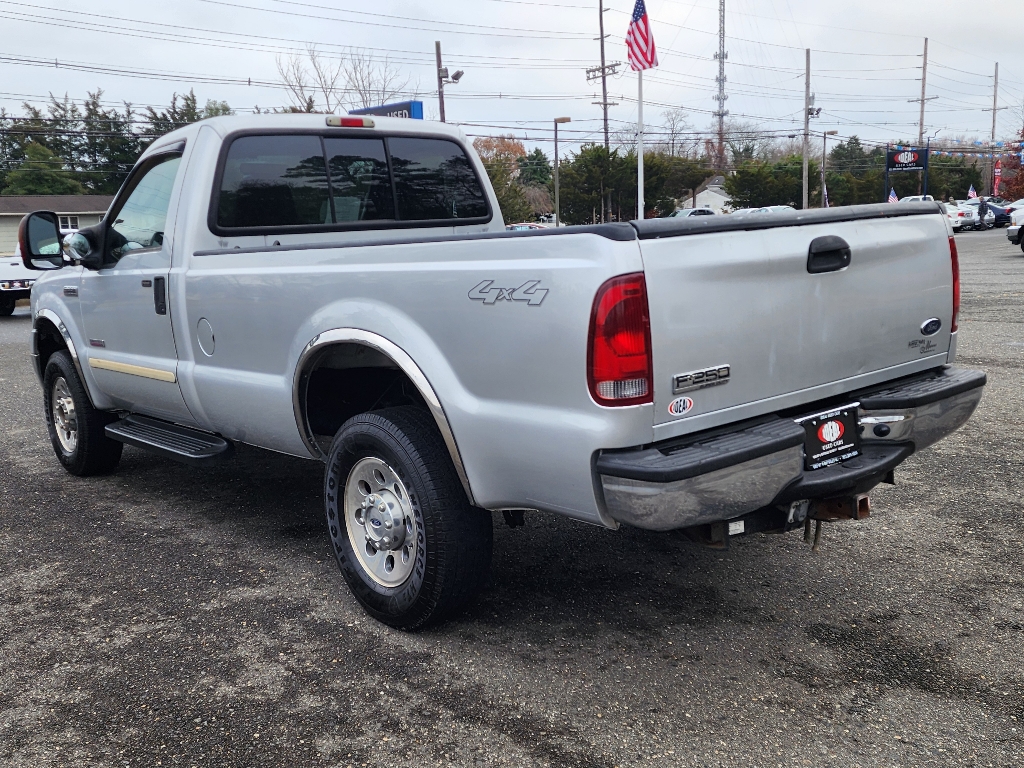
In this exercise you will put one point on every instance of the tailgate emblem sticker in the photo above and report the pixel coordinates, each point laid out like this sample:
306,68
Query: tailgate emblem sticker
680,405
708,377
528,292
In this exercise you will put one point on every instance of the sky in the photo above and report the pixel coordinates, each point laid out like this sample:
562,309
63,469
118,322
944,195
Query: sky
525,61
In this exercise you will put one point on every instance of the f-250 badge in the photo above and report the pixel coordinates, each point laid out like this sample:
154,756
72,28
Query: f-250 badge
528,292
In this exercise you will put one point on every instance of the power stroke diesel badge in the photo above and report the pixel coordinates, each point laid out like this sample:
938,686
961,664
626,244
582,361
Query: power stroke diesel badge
709,377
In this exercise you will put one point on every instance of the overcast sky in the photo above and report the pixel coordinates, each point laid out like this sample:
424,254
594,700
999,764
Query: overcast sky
525,60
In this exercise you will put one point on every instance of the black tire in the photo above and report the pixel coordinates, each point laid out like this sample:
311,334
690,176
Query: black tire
7,304
452,554
92,453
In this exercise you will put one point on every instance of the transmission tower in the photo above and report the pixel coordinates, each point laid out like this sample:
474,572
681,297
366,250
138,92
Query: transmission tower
721,112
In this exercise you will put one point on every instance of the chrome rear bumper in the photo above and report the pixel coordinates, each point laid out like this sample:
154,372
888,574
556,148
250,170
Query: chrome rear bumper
724,474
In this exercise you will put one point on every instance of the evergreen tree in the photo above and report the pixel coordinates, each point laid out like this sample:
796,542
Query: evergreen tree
41,173
534,168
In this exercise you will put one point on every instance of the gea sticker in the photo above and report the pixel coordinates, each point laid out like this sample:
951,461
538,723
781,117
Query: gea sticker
680,405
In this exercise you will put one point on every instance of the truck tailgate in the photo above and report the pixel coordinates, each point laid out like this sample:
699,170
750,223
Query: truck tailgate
721,295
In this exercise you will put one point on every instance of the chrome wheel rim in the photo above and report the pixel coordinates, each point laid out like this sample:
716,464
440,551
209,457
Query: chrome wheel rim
381,525
65,418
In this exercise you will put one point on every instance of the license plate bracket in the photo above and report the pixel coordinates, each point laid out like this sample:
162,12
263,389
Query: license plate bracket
830,436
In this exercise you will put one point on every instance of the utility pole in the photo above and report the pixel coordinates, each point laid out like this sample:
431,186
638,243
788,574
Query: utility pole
995,111
440,78
601,73
721,97
924,85
807,125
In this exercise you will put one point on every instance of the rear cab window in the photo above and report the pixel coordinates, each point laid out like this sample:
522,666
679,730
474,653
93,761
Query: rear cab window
307,183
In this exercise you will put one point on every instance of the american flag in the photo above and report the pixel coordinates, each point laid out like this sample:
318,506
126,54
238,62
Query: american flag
892,196
972,193
640,40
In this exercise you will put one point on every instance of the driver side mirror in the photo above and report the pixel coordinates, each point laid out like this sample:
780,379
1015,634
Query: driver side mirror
40,242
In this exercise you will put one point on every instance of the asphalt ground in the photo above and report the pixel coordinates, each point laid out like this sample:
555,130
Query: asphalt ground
167,616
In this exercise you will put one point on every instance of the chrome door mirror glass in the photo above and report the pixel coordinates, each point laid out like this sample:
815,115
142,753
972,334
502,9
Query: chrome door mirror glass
40,242
77,247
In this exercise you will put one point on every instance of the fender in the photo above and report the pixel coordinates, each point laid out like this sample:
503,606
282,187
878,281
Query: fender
402,360
54,319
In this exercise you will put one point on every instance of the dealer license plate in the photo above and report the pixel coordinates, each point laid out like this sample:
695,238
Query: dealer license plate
830,437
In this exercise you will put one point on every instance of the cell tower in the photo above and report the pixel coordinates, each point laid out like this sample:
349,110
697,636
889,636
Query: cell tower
721,112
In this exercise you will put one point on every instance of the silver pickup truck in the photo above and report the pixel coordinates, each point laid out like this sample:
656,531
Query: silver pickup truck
343,289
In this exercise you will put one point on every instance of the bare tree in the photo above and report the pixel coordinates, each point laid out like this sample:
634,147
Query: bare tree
673,139
372,81
354,79
297,83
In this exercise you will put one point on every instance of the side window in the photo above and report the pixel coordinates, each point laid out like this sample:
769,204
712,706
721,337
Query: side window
434,180
274,181
140,221
360,183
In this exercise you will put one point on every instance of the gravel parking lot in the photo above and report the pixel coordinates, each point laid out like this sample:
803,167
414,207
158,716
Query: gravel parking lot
170,616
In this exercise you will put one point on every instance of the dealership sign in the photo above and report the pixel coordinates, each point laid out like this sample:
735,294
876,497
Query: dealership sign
906,160
410,109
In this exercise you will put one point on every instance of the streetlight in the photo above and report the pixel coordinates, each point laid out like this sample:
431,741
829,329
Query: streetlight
824,159
443,78
558,121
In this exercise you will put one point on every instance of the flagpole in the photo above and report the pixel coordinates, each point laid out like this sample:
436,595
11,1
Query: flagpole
640,145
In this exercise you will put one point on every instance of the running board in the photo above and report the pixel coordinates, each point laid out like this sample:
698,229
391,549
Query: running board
171,440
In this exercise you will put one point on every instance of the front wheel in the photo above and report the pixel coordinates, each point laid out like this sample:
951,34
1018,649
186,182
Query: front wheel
7,304
410,546
77,430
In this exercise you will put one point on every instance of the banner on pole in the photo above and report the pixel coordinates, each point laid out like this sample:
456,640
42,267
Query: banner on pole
998,177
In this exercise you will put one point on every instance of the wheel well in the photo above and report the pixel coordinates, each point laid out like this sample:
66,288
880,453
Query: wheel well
48,341
348,379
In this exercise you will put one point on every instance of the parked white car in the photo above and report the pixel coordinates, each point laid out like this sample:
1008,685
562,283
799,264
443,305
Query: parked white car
686,212
957,217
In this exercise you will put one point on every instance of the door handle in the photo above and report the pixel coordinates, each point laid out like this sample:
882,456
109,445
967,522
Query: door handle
828,254
160,295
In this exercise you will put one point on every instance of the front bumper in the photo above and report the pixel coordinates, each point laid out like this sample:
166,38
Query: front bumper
726,473
1013,234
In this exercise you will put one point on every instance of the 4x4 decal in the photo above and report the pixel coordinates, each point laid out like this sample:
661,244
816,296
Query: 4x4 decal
528,292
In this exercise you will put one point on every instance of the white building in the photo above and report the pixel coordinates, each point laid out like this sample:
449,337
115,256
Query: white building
711,194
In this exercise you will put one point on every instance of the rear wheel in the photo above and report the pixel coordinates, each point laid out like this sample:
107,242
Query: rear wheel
410,546
76,428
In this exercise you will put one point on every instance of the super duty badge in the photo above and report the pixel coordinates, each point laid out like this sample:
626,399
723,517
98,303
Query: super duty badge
709,377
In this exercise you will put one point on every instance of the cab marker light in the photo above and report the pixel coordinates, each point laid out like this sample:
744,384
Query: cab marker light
341,121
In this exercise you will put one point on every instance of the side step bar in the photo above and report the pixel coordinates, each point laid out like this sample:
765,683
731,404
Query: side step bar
183,444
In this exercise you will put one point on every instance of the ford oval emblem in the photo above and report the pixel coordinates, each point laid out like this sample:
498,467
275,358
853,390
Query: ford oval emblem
931,327
375,522
680,405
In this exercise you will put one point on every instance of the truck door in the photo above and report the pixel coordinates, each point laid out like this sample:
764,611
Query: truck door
125,306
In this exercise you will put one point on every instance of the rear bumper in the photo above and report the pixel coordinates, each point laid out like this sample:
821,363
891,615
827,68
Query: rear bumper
727,473
1013,235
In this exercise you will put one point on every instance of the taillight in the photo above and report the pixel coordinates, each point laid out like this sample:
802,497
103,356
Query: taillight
955,259
620,368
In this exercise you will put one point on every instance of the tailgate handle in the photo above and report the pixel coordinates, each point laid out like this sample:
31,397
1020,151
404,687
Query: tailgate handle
828,254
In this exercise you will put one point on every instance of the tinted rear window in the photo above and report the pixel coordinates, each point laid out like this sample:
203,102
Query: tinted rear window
434,180
359,180
274,181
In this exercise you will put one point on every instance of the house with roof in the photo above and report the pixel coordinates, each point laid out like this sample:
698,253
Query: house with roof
711,194
75,212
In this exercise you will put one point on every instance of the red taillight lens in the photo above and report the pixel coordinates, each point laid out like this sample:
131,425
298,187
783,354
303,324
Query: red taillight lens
620,369
955,259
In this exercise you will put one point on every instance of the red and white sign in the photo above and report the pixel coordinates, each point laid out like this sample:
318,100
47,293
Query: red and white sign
831,431
998,177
